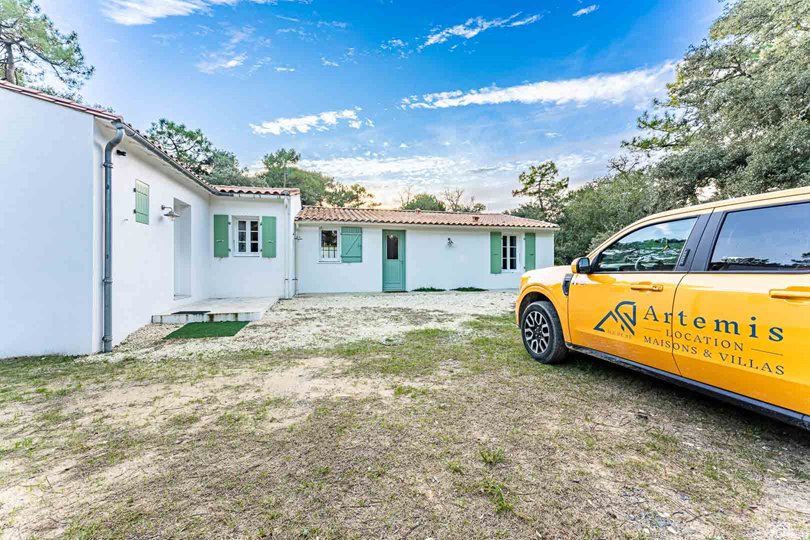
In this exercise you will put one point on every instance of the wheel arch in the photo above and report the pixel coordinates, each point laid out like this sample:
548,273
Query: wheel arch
540,294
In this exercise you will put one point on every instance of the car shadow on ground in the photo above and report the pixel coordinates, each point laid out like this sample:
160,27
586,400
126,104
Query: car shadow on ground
709,408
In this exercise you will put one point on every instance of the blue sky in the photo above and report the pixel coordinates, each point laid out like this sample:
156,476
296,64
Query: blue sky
393,94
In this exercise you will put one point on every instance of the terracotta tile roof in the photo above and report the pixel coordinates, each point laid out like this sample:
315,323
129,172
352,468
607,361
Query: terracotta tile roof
253,190
417,217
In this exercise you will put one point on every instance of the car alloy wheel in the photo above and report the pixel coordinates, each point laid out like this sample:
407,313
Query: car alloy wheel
537,331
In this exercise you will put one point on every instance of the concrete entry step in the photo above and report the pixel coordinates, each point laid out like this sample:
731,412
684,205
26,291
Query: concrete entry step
217,310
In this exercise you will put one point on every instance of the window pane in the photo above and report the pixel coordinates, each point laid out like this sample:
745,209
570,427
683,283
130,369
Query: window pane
241,225
329,241
508,252
392,247
655,248
254,247
775,239
241,247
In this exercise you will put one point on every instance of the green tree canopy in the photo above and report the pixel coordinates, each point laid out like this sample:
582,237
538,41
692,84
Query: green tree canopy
423,201
188,146
350,196
31,47
278,163
737,120
545,190
598,209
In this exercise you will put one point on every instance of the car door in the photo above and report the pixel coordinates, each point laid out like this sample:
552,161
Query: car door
624,306
743,321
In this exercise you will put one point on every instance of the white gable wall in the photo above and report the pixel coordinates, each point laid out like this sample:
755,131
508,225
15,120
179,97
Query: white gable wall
429,261
46,275
143,255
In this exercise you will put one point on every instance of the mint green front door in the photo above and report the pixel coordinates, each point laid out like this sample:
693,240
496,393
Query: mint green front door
393,263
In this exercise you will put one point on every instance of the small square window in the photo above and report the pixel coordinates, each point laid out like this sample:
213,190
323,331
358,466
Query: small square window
247,237
329,244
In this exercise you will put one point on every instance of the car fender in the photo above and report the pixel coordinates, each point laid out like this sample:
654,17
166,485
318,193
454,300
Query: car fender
545,284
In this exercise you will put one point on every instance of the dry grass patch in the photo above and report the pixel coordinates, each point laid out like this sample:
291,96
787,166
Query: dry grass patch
434,433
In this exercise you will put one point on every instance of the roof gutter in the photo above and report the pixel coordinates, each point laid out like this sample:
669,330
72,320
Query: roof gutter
134,134
106,340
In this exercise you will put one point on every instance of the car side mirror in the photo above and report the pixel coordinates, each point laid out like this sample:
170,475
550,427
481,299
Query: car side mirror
582,265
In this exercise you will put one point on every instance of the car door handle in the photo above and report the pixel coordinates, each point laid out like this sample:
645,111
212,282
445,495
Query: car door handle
655,287
789,295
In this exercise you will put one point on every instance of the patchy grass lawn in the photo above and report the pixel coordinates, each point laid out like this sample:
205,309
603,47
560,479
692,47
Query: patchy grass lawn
199,330
433,433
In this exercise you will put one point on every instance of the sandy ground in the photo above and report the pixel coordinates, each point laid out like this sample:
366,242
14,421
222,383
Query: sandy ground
323,321
449,432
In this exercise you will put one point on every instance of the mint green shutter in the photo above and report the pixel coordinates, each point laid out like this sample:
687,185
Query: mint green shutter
221,247
141,202
268,236
495,253
351,244
531,261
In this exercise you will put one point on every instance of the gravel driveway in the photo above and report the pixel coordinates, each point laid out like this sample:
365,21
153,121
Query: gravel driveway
323,321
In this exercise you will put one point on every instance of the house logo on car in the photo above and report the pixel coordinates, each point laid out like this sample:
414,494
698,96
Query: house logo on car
624,314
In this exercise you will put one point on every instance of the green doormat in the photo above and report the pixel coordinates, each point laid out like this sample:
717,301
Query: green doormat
207,329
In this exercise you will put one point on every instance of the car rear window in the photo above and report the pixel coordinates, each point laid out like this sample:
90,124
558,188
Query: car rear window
772,239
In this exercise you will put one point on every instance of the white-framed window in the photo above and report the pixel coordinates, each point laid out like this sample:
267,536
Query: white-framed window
247,237
329,245
509,253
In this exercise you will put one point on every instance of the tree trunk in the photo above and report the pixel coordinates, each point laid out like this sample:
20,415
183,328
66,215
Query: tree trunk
10,70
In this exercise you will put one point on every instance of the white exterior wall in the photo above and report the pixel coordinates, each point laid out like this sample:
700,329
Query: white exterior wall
254,276
46,245
429,261
143,255
315,276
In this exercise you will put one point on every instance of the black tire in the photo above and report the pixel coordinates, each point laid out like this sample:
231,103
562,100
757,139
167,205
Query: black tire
542,333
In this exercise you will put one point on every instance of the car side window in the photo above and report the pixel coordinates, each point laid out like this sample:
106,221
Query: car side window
770,239
654,248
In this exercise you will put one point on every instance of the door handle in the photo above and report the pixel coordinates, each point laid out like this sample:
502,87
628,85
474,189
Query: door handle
789,295
654,287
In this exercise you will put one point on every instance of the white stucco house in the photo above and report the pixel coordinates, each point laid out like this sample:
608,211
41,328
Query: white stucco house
105,232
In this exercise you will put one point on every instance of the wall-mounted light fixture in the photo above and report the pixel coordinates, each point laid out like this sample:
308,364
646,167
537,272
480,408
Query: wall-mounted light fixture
171,214
449,242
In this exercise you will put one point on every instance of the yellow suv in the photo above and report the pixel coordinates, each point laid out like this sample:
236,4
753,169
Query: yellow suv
715,297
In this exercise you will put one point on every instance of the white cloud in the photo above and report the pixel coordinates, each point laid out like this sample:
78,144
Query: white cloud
328,63
637,85
474,26
282,69
586,10
304,124
394,44
415,167
333,24
219,62
137,12
227,57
